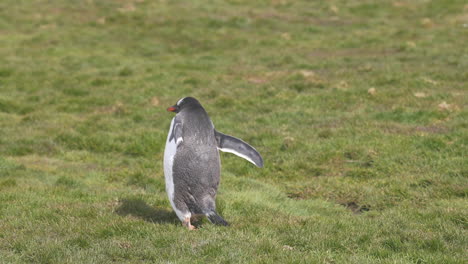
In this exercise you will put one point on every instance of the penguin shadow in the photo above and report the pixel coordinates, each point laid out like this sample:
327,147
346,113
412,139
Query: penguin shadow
140,209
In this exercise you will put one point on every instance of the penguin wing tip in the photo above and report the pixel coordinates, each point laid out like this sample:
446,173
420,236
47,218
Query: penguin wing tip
260,161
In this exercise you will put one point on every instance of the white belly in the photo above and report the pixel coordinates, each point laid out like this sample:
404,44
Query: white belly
169,153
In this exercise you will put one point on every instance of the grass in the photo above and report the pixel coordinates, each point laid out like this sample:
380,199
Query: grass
352,174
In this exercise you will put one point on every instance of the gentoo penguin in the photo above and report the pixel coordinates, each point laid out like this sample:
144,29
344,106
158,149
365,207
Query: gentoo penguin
192,164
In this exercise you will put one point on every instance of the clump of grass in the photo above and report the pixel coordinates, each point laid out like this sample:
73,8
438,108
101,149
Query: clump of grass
66,182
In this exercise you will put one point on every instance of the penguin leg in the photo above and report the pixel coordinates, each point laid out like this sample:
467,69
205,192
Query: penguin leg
186,223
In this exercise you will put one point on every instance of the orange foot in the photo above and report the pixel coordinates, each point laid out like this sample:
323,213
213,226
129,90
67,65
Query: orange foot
187,224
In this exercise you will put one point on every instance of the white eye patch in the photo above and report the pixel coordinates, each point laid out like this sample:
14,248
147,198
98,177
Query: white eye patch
180,101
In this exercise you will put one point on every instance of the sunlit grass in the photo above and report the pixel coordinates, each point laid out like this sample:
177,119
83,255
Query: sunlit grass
357,107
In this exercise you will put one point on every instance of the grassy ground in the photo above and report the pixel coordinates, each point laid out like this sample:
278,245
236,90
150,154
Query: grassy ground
359,109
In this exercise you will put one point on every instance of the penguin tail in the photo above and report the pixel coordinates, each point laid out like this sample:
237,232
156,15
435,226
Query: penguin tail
216,219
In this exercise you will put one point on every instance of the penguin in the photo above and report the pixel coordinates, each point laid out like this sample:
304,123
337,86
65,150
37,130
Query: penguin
191,161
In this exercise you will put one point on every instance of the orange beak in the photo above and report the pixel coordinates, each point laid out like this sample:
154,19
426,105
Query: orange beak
172,109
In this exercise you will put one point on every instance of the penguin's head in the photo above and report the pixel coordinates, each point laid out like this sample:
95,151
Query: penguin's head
186,102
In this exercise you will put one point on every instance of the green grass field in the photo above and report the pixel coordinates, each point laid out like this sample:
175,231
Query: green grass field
359,109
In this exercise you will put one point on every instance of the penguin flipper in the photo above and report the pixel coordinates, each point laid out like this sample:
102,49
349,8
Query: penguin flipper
176,134
238,147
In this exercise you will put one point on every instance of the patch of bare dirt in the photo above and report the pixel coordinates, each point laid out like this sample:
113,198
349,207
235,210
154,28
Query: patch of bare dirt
404,130
333,21
117,108
434,129
353,52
